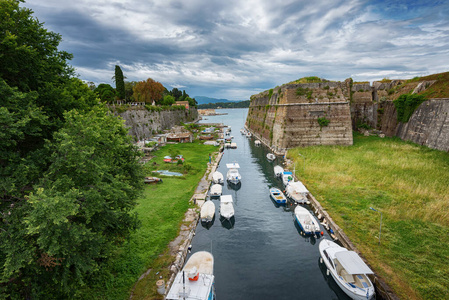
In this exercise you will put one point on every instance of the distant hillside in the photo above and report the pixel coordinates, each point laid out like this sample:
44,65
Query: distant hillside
229,104
204,100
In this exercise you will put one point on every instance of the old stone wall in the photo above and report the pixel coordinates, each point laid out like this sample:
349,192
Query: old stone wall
429,125
144,124
287,116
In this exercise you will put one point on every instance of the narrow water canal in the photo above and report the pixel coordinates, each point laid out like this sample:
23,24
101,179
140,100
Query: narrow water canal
262,255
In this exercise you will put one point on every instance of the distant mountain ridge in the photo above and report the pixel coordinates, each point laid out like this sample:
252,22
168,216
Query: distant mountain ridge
205,100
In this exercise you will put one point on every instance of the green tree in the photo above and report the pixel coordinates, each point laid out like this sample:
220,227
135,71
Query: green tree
105,92
63,206
168,100
79,210
29,55
129,85
119,82
176,93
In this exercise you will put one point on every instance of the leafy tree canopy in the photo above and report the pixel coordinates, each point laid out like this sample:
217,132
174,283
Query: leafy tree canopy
105,92
148,91
69,174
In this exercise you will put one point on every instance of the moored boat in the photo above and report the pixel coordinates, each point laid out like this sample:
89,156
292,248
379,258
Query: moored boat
309,225
196,280
271,156
226,207
277,196
297,191
152,180
217,177
278,170
233,176
207,211
348,270
216,190
287,177
257,142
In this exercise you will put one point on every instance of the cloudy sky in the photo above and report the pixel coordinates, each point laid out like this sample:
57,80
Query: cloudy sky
235,48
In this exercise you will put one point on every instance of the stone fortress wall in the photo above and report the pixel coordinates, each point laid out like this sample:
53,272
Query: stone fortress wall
287,116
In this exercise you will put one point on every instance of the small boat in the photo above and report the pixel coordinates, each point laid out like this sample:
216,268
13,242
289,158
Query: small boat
196,280
233,175
306,221
271,156
248,134
167,159
216,190
348,270
207,211
257,143
234,145
297,191
278,170
277,196
287,177
217,177
226,207
152,180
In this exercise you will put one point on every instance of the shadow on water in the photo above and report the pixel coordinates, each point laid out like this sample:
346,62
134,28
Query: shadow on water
227,223
277,205
312,239
233,186
340,295
208,225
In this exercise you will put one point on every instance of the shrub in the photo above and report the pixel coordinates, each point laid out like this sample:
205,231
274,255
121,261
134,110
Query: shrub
406,104
323,122
270,93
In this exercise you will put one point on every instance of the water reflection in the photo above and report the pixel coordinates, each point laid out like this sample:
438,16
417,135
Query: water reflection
208,225
234,186
307,238
339,294
227,223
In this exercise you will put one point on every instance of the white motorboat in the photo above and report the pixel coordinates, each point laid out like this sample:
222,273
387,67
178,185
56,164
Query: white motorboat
226,207
271,156
248,134
278,170
216,190
287,177
217,177
306,221
257,142
348,270
277,196
234,145
196,280
207,211
297,191
233,175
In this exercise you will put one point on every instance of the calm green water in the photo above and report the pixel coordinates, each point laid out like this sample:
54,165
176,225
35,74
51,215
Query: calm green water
262,255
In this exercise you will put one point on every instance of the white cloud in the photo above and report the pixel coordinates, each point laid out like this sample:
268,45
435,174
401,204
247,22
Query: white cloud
231,48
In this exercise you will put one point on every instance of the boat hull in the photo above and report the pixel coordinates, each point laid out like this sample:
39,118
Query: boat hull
355,293
307,223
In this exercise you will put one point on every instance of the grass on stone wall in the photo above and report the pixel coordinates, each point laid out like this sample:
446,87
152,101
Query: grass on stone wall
160,211
409,185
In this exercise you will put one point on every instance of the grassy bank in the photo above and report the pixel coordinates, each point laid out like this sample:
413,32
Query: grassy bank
409,185
160,210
